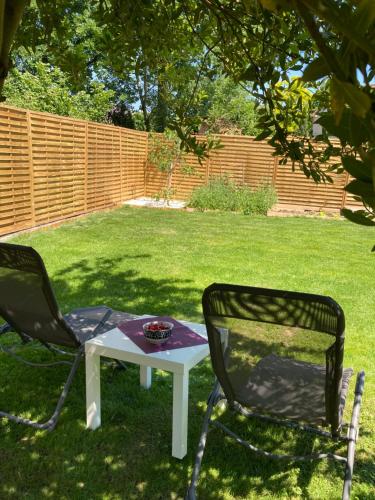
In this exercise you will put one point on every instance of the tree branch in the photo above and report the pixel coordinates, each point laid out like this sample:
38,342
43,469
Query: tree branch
10,19
313,29
329,14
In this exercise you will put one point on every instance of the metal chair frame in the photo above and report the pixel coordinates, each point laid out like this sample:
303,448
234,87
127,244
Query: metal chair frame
33,259
217,397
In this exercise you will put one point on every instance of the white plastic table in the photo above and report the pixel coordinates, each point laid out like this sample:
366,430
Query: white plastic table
114,344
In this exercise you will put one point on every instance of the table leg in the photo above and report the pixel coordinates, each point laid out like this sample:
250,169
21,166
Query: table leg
145,376
93,410
180,414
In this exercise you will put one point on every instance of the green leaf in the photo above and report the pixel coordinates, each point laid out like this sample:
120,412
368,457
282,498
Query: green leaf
327,121
357,169
351,129
358,217
358,100
365,15
249,4
362,191
360,129
275,77
315,70
263,135
337,100
360,188
269,4
249,74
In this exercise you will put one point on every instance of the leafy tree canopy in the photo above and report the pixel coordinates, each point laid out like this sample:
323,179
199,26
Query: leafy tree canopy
146,55
229,108
47,89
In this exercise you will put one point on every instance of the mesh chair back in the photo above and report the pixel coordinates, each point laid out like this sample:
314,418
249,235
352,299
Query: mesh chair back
27,301
260,321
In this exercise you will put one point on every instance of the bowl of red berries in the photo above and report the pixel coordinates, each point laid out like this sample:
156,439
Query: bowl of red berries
157,332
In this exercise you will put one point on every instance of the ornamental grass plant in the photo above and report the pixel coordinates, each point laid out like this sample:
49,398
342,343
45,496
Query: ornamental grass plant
221,193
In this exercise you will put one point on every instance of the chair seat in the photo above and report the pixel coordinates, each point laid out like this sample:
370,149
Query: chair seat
288,388
85,320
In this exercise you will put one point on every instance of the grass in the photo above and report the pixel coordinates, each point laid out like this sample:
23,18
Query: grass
144,260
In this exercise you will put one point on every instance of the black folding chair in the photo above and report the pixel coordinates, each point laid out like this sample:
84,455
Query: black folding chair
283,364
29,307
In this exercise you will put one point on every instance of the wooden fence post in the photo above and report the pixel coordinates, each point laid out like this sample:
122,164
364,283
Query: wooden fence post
86,165
31,166
121,174
145,166
344,193
208,170
274,172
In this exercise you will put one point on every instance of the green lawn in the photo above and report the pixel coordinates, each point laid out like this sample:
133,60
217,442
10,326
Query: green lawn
159,262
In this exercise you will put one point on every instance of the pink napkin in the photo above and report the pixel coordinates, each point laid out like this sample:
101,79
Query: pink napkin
182,336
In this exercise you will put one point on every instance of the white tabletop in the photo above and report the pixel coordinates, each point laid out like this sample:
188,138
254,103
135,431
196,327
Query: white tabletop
116,344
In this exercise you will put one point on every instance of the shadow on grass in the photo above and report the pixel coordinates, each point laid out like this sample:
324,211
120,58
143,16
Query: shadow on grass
114,283
129,457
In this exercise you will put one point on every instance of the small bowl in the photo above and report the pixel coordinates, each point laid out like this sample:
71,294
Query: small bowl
157,332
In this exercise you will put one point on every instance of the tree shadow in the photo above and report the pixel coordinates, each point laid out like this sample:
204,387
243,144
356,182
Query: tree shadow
104,281
267,476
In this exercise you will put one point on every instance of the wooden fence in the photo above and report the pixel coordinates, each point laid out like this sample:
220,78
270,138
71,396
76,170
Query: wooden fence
250,162
53,168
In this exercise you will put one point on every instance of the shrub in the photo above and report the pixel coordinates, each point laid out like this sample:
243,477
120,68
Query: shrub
223,194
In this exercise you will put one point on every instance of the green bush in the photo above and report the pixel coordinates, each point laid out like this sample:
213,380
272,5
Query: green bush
223,194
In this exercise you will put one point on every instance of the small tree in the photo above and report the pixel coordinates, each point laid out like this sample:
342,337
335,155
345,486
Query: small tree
166,155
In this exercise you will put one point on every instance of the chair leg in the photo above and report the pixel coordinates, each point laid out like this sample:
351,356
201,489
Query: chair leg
353,435
190,495
51,423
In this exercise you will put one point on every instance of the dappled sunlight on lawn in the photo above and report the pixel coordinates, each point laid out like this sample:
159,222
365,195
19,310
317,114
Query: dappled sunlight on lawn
107,259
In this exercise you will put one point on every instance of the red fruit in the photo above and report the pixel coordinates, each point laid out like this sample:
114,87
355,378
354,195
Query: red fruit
157,327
